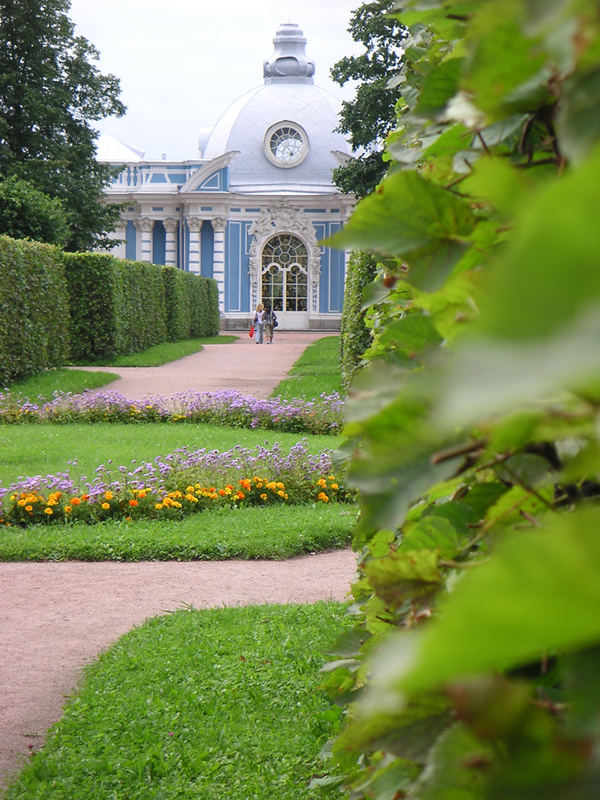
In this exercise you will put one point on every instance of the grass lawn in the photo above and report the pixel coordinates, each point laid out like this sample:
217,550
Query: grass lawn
272,532
161,353
27,450
197,705
317,371
65,380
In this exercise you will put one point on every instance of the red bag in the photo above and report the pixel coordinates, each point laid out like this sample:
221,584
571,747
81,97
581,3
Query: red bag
251,331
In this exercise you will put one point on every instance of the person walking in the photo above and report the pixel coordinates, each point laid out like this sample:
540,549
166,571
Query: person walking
258,323
270,322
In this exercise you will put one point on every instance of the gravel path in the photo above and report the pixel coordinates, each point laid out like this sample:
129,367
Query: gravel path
56,617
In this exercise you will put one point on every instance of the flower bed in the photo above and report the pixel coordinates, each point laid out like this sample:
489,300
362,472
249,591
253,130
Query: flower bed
321,415
176,485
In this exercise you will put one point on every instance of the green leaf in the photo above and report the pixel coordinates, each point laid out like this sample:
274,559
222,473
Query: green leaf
539,592
489,376
439,86
431,533
578,122
553,260
404,574
405,214
411,334
454,768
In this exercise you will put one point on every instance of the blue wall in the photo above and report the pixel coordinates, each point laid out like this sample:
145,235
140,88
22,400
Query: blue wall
331,288
158,243
130,234
237,260
207,249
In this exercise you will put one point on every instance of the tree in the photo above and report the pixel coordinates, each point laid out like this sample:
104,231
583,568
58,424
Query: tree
50,92
26,213
474,667
370,117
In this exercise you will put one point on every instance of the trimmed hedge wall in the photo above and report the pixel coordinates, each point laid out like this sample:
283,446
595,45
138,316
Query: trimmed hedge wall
355,337
57,307
117,306
191,304
34,309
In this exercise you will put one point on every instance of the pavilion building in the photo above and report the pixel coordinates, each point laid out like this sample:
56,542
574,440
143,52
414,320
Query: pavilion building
252,210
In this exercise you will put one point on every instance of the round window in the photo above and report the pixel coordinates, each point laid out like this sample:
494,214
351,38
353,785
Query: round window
286,144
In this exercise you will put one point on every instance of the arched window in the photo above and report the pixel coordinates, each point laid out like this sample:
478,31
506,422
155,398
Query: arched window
284,265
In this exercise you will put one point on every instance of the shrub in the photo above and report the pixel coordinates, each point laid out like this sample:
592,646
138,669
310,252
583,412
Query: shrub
355,337
34,330
116,306
191,304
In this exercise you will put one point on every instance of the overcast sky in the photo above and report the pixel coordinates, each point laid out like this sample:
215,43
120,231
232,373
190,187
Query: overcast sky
181,63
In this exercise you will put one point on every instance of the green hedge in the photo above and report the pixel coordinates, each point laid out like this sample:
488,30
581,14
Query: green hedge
34,310
117,306
56,307
191,304
355,337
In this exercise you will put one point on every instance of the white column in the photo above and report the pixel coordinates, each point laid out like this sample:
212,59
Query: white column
170,241
219,224
195,226
144,227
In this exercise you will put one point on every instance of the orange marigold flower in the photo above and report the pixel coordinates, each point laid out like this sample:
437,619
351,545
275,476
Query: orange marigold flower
48,511
68,509
263,497
241,495
322,496
29,508
222,492
133,503
142,494
281,493
84,497
334,486
75,501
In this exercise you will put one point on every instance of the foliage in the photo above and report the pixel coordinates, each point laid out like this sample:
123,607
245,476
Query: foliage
370,116
212,703
316,374
116,306
192,310
26,213
55,449
50,92
319,416
473,668
355,336
176,484
119,502
251,532
33,309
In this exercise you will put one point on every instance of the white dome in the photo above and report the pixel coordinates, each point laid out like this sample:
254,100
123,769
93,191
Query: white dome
110,149
282,131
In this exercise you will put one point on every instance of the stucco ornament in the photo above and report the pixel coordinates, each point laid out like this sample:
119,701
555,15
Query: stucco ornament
276,220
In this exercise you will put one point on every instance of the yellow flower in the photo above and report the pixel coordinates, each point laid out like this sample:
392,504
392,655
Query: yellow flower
68,509
48,511
263,497
142,494
21,503
108,495
106,506
158,506
29,508
322,482
334,486
280,485
189,489
322,496
281,493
